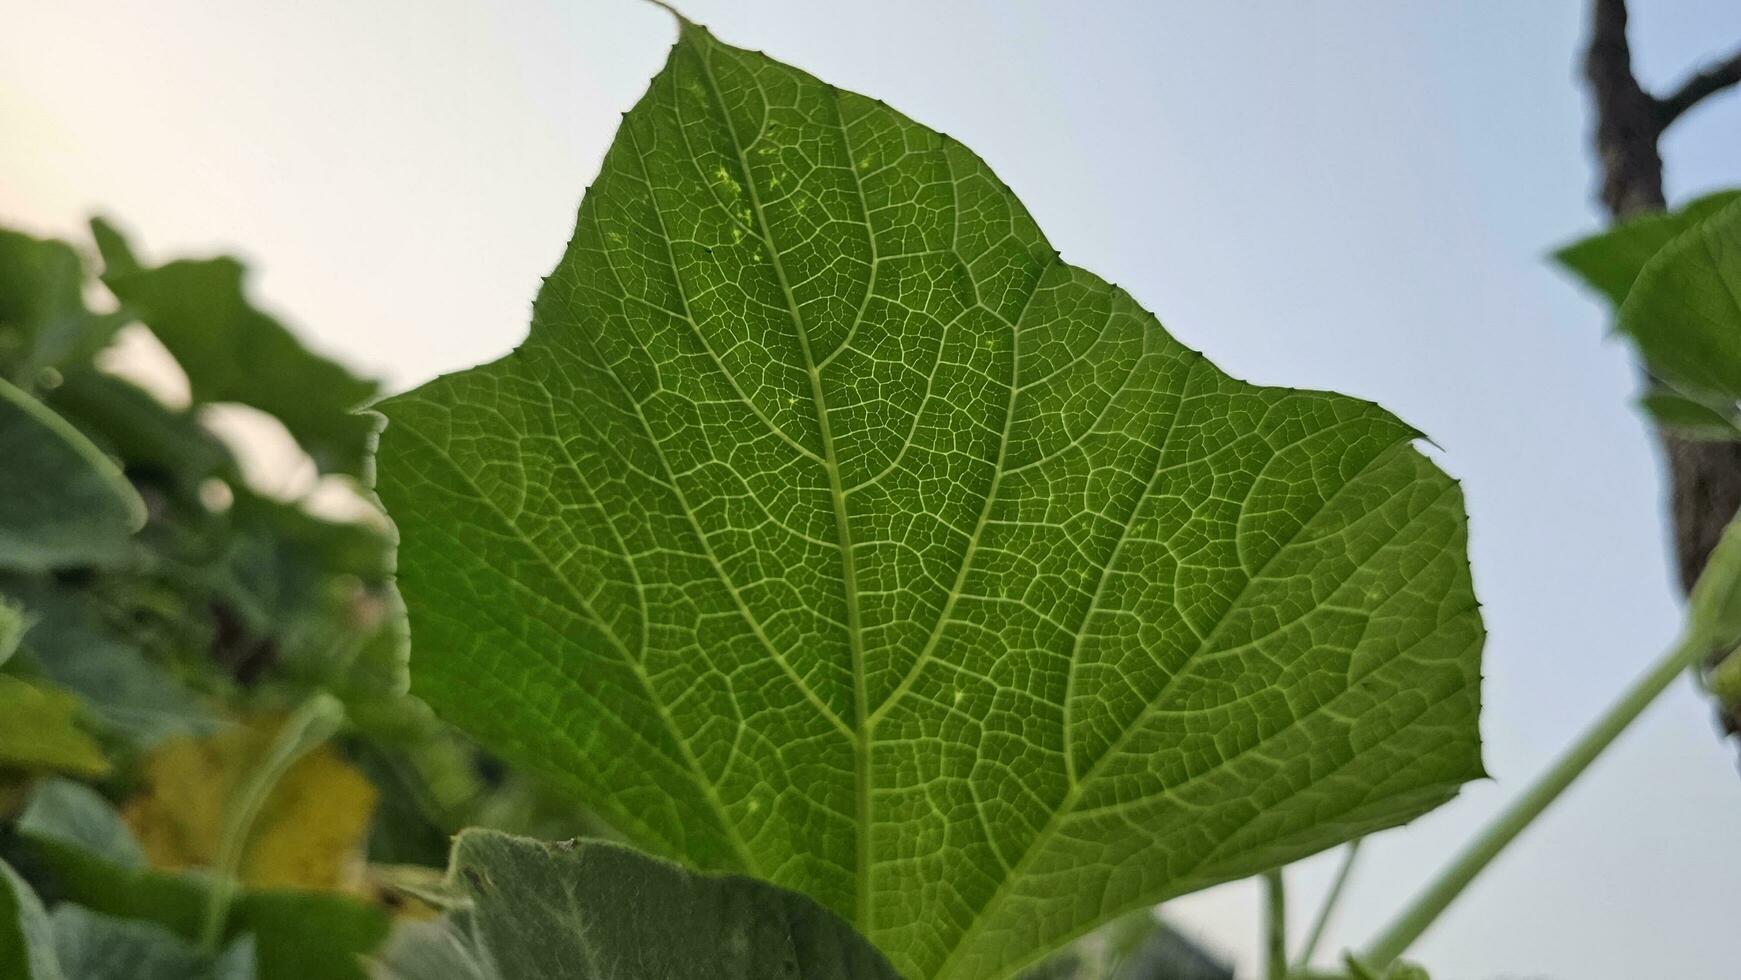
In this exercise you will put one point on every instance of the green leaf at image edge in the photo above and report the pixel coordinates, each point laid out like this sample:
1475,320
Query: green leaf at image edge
829,528
1684,313
1690,418
590,910
1611,261
62,502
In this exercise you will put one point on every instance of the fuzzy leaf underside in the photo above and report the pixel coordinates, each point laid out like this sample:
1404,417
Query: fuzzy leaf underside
588,910
829,527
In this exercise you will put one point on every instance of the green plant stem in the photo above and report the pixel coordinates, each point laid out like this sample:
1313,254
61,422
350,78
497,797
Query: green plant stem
306,728
1276,924
1331,897
1427,906
1724,680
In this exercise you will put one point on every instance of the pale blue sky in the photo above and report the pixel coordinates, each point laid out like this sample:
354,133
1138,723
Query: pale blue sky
1338,195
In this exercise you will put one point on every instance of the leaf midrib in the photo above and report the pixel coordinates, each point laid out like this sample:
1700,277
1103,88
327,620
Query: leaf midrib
701,537
831,465
865,721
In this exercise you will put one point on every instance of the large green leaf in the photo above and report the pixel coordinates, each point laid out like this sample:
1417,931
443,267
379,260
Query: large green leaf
62,502
829,527
1684,312
232,352
588,910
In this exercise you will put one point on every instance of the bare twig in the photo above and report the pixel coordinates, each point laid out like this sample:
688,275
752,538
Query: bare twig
1699,86
1627,117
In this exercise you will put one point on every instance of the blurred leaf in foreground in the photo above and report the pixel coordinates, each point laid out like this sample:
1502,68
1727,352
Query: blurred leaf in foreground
588,910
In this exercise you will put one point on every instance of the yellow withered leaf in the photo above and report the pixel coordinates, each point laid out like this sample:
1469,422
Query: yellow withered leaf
309,833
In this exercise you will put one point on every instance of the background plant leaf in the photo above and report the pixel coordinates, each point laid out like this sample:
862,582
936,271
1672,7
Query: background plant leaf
40,732
829,527
1691,418
159,446
44,321
232,352
26,937
62,502
1609,262
13,623
1684,313
131,698
77,816
99,947
297,934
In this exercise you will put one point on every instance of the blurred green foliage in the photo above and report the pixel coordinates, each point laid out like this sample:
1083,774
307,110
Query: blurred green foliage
157,610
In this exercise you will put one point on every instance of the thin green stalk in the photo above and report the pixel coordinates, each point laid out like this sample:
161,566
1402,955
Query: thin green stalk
1276,924
1333,896
306,728
1419,914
